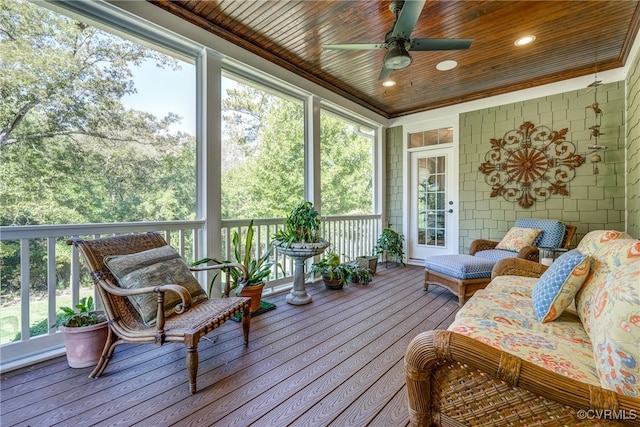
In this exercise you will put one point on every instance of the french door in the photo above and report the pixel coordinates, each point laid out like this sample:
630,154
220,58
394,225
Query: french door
433,215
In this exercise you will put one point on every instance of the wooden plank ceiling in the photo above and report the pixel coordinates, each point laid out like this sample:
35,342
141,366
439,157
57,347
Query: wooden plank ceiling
571,38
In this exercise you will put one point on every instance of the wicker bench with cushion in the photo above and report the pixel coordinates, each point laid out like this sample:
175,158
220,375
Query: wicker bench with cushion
464,274
525,351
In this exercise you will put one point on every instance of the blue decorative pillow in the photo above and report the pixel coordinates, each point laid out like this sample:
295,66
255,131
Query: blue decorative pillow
558,286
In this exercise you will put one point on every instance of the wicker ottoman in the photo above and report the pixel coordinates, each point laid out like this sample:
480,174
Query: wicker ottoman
461,274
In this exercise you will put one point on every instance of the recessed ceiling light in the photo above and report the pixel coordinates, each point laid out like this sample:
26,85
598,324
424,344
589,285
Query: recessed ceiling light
447,65
388,83
524,40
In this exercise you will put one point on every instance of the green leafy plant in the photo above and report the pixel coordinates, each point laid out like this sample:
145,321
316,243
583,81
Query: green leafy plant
331,268
391,242
302,226
359,274
83,315
259,268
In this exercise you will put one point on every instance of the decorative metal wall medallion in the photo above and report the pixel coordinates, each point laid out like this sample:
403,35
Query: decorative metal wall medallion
530,163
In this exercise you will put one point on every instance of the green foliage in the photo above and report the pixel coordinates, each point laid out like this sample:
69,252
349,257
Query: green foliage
346,171
71,152
302,225
391,242
331,268
359,274
259,268
84,315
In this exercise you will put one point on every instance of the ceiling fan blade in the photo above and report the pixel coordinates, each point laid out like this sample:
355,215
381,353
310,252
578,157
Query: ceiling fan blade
354,46
385,73
440,44
407,18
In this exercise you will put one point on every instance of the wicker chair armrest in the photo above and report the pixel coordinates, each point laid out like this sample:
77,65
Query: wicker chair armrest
529,252
181,307
227,289
433,349
481,245
518,267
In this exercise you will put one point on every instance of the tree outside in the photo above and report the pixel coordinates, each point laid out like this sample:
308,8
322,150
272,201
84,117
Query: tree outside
72,152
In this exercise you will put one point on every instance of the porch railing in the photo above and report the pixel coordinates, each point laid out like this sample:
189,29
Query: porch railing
44,256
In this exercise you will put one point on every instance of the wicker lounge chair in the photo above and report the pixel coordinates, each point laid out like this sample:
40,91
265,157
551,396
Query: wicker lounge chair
465,274
187,325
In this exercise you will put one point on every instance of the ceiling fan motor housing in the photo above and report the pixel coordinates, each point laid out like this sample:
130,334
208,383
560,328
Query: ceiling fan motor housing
397,56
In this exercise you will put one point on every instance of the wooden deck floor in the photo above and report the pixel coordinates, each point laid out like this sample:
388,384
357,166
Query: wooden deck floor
337,361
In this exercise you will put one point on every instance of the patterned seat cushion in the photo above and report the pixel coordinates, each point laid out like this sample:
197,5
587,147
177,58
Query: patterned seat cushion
496,255
460,266
555,353
517,311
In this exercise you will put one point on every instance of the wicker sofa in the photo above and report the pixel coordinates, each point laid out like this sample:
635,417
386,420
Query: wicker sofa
498,364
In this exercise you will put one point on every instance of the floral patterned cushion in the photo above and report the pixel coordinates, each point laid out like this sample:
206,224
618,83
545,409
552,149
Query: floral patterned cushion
603,262
557,286
616,328
517,311
513,285
600,345
154,267
552,352
593,240
517,238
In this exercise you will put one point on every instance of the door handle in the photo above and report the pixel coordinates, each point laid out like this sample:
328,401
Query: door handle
450,210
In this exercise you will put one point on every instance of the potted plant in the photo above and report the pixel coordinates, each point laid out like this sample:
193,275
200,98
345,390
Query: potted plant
259,268
300,239
369,261
302,226
359,273
392,243
334,273
85,333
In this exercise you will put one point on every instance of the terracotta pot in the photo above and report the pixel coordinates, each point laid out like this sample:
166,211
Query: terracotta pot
333,284
84,344
255,293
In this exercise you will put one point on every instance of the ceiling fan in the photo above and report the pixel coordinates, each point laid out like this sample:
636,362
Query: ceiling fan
397,41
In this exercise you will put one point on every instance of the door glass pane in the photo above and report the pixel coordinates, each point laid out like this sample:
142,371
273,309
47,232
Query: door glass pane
421,216
431,198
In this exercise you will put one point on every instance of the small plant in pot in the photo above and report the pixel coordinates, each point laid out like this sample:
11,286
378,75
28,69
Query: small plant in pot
391,243
334,273
302,226
360,274
259,268
369,262
85,333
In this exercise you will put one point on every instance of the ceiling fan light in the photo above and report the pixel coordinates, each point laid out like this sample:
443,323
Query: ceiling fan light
397,57
388,83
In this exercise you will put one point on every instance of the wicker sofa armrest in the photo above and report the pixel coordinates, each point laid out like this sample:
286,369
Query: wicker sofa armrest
481,245
454,378
518,267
